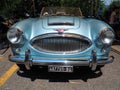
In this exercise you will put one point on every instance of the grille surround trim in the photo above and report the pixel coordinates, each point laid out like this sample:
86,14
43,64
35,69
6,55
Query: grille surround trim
56,35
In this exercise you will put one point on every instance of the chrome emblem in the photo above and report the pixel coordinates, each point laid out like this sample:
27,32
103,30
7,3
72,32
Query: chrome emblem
60,30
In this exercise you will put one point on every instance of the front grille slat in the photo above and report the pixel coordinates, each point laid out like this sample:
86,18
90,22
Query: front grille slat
55,43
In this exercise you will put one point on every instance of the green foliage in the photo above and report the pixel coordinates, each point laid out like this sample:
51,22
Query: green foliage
114,4
108,10
12,7
8,6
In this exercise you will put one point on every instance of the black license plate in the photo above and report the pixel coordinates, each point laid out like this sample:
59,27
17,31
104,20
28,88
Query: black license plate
59,68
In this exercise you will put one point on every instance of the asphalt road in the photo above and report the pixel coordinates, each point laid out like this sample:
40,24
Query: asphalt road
106,78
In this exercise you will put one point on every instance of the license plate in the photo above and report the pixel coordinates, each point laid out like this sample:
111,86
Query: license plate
58,68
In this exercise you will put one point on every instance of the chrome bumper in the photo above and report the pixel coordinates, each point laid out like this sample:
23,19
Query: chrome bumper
92,62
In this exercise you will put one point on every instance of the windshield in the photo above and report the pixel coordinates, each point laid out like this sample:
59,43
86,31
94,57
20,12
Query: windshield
61,11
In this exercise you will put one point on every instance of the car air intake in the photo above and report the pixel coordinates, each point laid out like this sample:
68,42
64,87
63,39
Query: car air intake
60,43
61,23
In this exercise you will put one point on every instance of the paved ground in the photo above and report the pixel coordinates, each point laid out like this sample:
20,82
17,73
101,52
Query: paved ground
107,78
116,48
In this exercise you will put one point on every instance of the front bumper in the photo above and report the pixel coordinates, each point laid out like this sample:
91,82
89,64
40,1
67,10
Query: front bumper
92,62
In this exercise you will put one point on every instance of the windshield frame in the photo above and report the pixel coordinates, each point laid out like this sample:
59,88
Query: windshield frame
61,11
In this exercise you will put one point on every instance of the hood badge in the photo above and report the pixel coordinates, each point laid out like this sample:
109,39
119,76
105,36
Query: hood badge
60,30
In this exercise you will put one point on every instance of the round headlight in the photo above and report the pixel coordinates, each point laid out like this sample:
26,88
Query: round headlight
107,36
15,35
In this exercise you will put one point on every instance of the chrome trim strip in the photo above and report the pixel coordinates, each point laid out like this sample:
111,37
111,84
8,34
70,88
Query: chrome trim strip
60,35
77,62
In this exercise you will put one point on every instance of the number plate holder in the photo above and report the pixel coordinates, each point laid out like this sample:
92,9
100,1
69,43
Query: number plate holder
60,68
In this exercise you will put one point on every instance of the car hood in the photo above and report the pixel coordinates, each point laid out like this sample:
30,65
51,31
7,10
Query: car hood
33,27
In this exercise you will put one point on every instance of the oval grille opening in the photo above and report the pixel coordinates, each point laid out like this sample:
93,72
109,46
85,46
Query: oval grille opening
60,44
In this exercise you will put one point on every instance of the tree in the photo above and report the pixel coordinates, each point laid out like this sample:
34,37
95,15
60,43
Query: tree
108,10
12,7
114,4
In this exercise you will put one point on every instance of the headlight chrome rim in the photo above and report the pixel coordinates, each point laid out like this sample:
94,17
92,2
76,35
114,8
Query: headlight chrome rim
15,35
107,36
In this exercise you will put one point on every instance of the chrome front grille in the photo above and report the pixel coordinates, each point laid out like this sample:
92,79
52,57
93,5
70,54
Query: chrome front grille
60,43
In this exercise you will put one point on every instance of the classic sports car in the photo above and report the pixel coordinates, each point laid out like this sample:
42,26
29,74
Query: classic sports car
61,38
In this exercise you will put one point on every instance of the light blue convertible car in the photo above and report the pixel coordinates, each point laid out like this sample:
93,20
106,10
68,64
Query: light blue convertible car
61,39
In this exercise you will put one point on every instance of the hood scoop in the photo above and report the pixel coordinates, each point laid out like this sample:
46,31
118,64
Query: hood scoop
61,22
